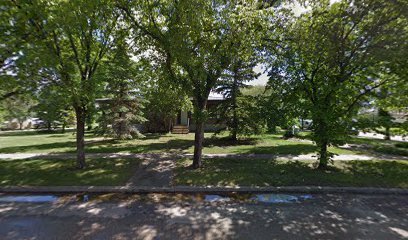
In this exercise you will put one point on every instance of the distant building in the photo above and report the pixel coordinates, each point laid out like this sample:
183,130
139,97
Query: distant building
183,123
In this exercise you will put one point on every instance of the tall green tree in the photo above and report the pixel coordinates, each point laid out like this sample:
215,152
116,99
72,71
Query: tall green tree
16,68
165,100
124,85
240,72
196,40
332,57
53,107
18,108
71,37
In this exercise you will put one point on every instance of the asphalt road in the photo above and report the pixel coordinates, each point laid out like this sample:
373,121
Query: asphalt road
206,217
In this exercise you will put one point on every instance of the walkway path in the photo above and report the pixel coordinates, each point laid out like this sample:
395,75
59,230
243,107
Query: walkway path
381,136
154,171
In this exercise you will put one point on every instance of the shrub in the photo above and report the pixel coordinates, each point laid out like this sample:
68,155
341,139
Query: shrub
402,145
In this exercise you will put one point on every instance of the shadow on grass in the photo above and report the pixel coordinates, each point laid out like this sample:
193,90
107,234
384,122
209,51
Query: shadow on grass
158,143
171,146
52,147
258,172
106,146
34,132
227,141
62,172
294,149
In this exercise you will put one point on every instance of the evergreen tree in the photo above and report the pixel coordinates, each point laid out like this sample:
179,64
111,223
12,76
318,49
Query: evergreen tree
123,108
234,79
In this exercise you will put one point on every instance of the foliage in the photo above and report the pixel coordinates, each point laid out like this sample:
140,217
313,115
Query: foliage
236,109
195,41
124,106
19,108
53,107
165,100
329,60
246,118
71,38
402,144
278,111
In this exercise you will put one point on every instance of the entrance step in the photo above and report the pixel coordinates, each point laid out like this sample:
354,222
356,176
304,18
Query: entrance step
180,129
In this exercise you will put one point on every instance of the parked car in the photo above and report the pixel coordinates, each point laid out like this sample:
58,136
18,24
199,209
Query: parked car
38,123
4,126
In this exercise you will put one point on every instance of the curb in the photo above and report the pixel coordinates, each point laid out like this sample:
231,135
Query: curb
208,190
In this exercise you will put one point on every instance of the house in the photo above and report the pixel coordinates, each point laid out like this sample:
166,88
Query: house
184,122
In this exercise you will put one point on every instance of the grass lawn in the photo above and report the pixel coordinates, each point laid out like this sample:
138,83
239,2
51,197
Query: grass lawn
106,172
255,172
382,146
35,142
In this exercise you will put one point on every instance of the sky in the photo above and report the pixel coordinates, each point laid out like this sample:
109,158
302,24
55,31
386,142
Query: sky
261,80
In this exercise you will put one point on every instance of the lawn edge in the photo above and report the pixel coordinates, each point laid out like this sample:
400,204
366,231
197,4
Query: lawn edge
200,189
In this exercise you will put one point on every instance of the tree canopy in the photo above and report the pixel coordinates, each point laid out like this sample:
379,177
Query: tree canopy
71,37
196,41
332,58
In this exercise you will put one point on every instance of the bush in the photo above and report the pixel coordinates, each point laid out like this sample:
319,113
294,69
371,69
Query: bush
289,134
402,145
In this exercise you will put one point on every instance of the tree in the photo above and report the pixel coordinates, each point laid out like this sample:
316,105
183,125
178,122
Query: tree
165,100
331,58
124,84
19,108
15,68
53,106
387,99
71,37
196,41
233,80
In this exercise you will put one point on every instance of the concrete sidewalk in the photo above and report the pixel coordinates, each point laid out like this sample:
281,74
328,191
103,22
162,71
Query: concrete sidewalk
343,157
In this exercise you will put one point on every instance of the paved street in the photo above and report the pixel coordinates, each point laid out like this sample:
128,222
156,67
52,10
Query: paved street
207,217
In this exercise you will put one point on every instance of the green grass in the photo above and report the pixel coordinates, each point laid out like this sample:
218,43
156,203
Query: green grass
381,146
39,172
256,172
33,142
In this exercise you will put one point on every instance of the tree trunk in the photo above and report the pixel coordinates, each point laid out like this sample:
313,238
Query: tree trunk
63,128
234,93
80,136
387,135
120,133
198,144
21,125
323,158
234,129
199,133
322,140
